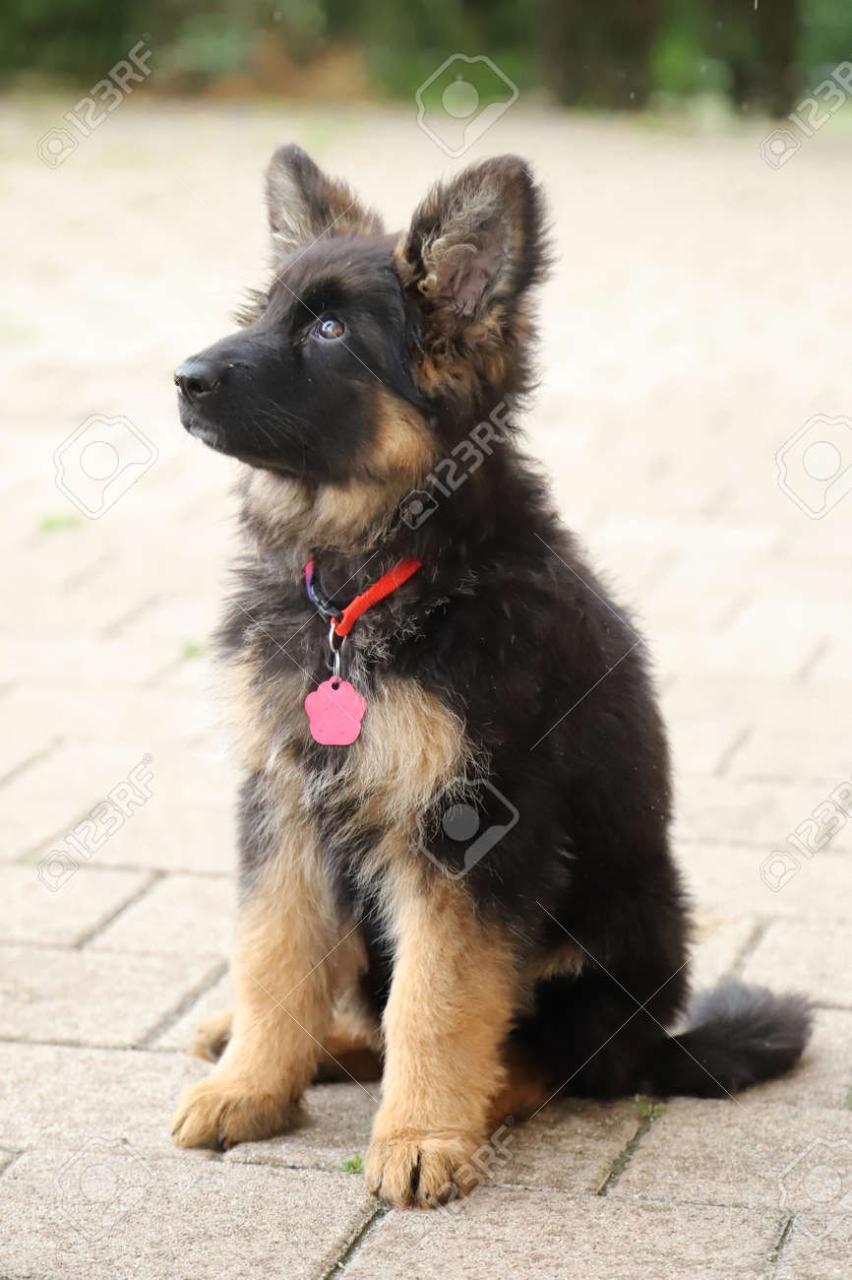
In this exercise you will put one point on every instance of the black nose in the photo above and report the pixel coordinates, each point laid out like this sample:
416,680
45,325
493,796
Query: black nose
197,377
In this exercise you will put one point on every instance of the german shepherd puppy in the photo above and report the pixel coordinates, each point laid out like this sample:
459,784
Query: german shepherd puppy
478,886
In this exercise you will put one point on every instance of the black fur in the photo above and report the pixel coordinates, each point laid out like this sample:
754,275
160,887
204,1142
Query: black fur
738,1036
506,624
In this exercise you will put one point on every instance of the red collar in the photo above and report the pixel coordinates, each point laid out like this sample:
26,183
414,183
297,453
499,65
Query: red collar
344,620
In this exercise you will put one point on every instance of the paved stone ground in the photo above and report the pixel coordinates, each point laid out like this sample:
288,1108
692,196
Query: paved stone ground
699,318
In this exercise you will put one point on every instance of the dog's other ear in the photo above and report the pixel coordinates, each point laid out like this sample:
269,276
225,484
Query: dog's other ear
475,245
304,204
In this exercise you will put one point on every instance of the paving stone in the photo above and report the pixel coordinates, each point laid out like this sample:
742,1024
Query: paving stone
335,1125
804,612
823,1078
50,797
52,660
701,746
169,836
57,1096
194,677
178,1036
58,904
804,957
729,881
46,562
727,1153
188,619
718,942
509,1233
818,1248
628,568
94,999
110,1210
697,591
692,586
734,651
77,607
761,703
23,740
185,796
569,1146
191,915
124,713
810,743
761,814
835,663
687,537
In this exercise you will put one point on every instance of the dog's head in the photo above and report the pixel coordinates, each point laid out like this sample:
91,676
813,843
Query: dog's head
370,355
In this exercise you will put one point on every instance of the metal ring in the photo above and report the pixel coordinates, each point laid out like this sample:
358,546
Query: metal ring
332,635
336,650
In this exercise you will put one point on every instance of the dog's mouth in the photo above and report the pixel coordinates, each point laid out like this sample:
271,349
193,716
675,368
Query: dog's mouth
218,439
205,432
197,425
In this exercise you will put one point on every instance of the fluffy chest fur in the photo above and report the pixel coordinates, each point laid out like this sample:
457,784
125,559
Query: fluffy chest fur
369,803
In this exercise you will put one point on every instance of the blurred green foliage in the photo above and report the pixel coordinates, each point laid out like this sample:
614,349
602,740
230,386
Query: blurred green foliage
826,34
613,54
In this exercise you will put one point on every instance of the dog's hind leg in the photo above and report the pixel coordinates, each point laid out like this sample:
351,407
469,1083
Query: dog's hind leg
352,1050
349,1050
526,1089
212,1036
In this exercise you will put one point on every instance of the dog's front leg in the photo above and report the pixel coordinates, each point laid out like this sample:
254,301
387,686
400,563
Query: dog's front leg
450,1007
284,972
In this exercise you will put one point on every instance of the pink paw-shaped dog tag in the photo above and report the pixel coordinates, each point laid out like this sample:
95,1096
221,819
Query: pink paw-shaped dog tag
335,711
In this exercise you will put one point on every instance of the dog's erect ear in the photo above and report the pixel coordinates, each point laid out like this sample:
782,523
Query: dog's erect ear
304,204
475,245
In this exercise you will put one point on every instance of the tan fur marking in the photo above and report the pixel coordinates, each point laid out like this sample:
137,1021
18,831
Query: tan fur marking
353,515
483,355
452,998
404,447
524,1091
410,746
568,959
266,715
411,749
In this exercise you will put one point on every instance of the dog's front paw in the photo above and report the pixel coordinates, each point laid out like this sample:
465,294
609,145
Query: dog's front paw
421,1169
221,1111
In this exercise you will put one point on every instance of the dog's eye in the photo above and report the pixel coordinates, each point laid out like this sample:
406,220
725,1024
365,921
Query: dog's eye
330,328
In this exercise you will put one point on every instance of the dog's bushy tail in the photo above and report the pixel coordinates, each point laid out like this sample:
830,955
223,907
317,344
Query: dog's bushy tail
737,1036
